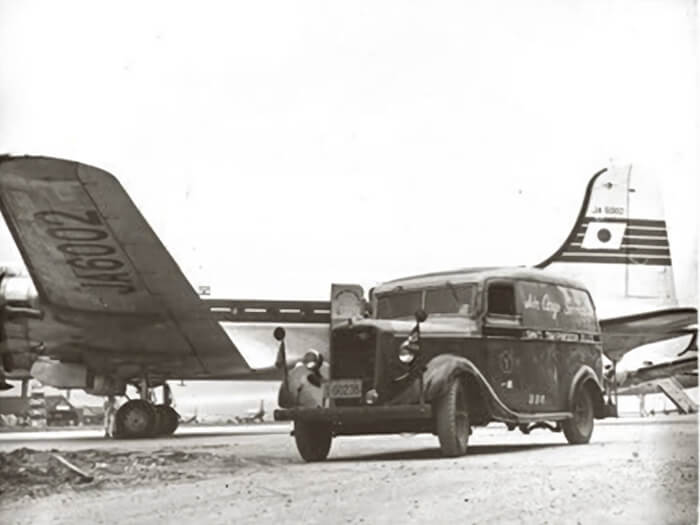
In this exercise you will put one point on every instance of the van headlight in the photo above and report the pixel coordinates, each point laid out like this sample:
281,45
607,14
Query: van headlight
409,349
406,356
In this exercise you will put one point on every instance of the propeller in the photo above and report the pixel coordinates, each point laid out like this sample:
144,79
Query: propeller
18,300
4,385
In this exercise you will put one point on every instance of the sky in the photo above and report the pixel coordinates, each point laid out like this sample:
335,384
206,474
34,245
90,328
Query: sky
276,147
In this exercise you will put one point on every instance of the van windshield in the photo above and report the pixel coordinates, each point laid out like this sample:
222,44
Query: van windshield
449,299
399,304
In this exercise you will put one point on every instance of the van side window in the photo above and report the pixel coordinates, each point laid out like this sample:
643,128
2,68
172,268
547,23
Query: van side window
501,299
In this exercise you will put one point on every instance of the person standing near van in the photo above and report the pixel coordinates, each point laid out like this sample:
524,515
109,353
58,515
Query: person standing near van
110,410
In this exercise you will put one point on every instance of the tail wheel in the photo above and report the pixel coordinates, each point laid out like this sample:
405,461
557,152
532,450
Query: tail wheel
578,429
452,420
135,419
168,420
313,440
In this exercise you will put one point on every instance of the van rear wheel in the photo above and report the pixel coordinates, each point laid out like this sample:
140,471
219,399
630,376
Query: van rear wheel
578,429
313,440
452,420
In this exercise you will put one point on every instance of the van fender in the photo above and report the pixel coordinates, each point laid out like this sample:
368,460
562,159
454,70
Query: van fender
586,377
442,369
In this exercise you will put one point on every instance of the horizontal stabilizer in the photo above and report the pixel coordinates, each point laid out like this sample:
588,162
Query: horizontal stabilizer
622,334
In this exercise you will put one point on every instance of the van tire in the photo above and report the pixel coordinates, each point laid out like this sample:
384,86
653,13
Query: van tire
578,429
452,420
313,440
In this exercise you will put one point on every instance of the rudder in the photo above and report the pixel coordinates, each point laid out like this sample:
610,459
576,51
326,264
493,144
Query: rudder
619,244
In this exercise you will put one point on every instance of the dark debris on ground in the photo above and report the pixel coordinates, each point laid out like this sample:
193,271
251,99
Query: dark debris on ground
25,472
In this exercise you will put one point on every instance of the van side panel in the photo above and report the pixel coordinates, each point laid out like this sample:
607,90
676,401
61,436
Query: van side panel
545,306
471,348
561,330
523,373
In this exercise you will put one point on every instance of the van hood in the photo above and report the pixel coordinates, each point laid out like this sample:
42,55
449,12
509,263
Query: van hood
437,326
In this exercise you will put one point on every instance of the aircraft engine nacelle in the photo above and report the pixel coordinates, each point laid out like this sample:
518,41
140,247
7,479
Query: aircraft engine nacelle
613,376
4,385
18,364
621,377
76,375
60,375
17,291
102,385
18,299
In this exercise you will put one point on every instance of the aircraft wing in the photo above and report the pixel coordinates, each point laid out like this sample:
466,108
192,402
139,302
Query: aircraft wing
100,269
251,322
622,334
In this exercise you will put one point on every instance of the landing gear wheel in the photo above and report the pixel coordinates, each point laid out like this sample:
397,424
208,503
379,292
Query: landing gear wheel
168,420
579,428
136,419
313,440
452,420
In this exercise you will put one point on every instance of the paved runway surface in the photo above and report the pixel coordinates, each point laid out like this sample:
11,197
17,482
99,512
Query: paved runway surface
633,471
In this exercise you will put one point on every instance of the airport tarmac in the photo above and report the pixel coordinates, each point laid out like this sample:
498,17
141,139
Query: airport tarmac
633,471
94,438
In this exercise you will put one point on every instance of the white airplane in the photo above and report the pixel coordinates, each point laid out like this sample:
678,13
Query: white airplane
619,248
109,306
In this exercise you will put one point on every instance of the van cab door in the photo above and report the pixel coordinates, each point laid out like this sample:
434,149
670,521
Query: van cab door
522,369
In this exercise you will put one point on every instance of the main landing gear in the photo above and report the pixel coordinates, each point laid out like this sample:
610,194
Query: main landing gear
142,418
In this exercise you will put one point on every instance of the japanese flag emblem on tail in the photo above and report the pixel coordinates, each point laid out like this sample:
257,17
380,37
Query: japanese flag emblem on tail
619,244
603,236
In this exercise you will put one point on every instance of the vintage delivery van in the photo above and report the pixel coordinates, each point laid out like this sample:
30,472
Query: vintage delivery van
443,353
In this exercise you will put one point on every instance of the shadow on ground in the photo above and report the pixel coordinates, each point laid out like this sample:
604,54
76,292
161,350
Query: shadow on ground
434,453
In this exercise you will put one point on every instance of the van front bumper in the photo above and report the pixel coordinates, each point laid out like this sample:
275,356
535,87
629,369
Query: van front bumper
351,415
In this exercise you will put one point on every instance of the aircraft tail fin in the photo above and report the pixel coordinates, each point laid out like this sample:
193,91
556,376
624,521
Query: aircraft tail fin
619,244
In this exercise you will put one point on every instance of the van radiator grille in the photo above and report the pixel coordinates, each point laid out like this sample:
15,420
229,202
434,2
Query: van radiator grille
352,357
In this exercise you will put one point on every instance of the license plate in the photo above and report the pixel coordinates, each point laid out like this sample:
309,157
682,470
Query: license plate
345,388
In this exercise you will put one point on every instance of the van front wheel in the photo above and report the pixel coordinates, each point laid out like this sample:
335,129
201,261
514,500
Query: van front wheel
579,428
452,420
313,440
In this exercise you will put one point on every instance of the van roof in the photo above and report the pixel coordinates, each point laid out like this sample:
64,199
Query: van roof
476,275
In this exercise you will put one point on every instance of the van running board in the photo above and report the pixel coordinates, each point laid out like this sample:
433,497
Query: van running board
526,429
